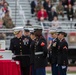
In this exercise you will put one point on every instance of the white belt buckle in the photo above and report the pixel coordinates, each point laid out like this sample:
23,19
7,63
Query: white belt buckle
38,53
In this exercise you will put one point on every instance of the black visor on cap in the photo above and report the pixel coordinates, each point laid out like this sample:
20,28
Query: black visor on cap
63,33
26,30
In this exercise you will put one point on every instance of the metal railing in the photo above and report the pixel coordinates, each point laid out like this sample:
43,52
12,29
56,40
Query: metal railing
61,25
22,15
21,12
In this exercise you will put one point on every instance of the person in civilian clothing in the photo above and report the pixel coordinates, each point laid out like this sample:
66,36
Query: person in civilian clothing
42,14
45,4
70,2
60,9
49,6
28,23
51,14
55,23
64,3
33,5
38,8
70,12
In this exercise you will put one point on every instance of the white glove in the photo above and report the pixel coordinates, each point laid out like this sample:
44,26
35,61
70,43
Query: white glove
63,67
56,65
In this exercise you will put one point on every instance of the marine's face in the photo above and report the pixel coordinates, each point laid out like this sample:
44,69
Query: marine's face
19,34
32,36
60,36
54,35
26,33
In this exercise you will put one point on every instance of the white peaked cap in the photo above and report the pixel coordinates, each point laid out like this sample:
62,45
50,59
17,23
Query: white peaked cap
17,28
52,30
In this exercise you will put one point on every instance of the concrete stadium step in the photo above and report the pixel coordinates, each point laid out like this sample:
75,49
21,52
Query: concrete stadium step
28,15
16,18
15,11
15,14
28,11
25,7
60,17
10,0
24,2
18,22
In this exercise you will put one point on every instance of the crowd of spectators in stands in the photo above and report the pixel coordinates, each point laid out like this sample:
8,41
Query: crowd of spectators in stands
5,15
48,9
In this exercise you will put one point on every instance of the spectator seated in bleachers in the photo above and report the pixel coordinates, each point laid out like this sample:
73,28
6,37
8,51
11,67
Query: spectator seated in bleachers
54,8
7,8
1,23
6,19
52,13
70,12
70,2
53,1
74,8
28,23
34,4
49,6
5,15
45,4
64,4
37,8
60,9
2,36
9,23
1,9
42,14
75,14
55,23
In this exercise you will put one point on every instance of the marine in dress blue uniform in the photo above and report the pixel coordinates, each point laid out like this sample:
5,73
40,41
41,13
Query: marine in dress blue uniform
40,53
20,46
32,35
62,54
54,51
